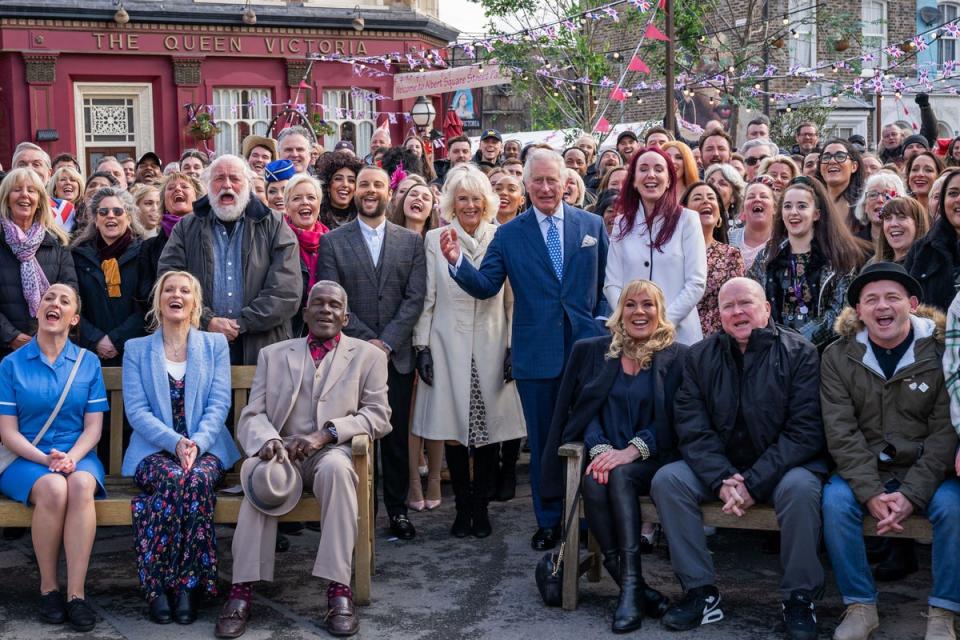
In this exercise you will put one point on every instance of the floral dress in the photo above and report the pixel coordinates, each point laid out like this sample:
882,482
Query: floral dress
723,262
173,518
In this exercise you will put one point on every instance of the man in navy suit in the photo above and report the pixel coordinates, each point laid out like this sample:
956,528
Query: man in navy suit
555,256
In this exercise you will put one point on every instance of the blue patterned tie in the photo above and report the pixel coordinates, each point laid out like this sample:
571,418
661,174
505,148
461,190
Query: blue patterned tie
553,248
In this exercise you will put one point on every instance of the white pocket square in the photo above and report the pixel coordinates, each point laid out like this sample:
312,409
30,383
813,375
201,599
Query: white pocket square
588,241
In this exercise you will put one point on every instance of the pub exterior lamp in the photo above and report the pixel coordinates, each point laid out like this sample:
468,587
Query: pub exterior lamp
422,113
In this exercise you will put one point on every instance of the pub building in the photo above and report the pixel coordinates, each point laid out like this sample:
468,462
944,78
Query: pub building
123,77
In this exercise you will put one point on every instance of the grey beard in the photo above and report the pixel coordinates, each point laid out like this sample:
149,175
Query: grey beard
233,212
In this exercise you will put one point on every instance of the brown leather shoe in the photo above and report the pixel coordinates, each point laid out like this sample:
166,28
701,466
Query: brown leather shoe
341,618
233,618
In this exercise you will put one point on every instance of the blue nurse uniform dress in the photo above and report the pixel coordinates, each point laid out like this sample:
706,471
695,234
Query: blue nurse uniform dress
29,389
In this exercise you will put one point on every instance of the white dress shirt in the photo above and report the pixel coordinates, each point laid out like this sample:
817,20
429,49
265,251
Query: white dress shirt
373,237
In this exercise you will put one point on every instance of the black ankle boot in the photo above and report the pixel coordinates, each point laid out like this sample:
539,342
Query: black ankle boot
629,613
185,611
655,604
160,610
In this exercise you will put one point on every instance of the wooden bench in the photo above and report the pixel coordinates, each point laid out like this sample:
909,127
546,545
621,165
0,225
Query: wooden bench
758,518
114,510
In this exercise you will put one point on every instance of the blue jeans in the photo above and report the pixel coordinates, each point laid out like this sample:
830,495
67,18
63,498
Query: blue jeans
843,534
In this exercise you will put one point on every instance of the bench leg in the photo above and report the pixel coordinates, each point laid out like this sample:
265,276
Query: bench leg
593,573
571,549
363,564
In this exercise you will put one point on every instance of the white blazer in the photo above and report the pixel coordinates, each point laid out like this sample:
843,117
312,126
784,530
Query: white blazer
679,267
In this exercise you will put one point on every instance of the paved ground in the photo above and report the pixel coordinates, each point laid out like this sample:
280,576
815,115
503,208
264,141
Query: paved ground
437,587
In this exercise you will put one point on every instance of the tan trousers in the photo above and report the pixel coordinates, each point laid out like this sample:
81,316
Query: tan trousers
334,485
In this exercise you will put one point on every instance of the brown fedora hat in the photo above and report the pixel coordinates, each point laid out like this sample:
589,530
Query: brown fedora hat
259,141
272,486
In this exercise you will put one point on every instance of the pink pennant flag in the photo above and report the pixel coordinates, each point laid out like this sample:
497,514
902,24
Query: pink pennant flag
304,85
662,4
603,126
655,34
636,64
618,94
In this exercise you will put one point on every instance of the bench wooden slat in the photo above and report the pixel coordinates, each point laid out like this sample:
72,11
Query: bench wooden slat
757,518
115,510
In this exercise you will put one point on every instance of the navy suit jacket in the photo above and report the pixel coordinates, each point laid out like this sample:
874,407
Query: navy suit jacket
541,303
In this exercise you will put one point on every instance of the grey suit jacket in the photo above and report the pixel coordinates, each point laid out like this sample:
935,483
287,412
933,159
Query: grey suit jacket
386,306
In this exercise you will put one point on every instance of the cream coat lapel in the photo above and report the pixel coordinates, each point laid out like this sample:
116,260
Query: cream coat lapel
295,356
342,356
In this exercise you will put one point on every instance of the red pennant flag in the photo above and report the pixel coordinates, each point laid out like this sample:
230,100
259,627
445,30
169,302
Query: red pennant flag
304,85
603,126
655,34
636,64
662,4
618,94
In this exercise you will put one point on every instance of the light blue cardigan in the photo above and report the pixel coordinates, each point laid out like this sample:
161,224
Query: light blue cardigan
146,398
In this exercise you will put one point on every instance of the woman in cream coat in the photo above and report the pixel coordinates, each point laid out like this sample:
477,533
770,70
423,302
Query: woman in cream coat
462,346
654,238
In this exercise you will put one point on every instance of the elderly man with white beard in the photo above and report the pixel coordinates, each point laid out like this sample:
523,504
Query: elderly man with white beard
244,255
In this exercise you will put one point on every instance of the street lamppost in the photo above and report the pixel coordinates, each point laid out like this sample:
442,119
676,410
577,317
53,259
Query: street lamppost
422,113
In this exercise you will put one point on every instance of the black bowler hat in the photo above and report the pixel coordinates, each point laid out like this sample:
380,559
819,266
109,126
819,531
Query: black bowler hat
882,271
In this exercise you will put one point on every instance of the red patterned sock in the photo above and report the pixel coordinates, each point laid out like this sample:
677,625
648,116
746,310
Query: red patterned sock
242,591
337,590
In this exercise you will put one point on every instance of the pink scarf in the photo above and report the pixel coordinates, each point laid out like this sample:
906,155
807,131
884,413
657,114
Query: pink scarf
309,240
24,246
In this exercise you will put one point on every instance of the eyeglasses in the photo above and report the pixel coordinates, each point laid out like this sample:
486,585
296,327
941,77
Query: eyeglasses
116,211
886,195
840,157
754,160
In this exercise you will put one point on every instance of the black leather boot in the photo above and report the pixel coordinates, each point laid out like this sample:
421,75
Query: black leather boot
485,461
458,463
611,562
507,475
629,614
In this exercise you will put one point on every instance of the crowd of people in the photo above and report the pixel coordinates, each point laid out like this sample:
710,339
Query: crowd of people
752,325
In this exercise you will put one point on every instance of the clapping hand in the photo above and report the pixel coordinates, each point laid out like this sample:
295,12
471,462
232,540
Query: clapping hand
450,245
187,453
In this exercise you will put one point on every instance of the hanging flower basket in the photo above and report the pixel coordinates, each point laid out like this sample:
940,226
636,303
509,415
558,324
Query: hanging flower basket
321,127
202,127
841,45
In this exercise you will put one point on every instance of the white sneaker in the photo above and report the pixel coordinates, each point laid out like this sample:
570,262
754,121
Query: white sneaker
940,624
858,622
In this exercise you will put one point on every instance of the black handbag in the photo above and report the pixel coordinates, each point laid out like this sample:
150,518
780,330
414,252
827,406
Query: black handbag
549,572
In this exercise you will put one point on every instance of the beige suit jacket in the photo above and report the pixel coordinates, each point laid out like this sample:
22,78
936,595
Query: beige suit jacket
353,395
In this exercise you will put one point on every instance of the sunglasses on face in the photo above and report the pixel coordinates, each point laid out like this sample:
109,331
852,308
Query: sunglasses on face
754,160
116,211
840,157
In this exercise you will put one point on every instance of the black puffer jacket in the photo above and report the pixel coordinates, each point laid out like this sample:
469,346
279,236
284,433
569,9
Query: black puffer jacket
934,260
57,265
119,318
779,391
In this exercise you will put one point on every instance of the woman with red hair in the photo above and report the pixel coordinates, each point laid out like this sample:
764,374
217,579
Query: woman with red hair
654,238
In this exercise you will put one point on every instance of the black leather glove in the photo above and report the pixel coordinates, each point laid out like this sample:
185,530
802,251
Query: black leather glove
425,366
922,99
508,367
